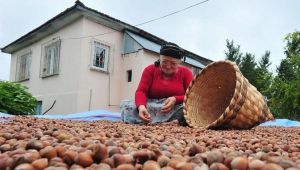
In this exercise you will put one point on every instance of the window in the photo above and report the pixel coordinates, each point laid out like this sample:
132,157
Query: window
23,67
50,58
196,71
100,56
129,75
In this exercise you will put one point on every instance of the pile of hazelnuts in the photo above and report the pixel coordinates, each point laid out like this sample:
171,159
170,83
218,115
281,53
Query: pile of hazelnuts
28,143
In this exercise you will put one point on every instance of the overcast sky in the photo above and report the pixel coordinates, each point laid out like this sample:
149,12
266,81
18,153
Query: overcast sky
256,25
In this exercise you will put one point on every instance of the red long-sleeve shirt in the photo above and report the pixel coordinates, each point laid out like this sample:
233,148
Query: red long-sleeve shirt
153,86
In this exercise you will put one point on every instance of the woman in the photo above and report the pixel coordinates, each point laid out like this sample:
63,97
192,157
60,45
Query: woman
161,90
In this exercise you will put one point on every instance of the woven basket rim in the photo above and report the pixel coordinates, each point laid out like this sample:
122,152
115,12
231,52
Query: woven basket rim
236,102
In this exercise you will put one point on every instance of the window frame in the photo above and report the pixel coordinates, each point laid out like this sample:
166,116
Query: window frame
38,107
105,46
28,59
196,70
54,44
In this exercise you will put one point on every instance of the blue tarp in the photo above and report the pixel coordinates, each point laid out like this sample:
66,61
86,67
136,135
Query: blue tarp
282,122
115,116
82,116
4,115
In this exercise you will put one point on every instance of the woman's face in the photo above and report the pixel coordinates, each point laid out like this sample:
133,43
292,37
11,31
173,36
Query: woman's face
169,65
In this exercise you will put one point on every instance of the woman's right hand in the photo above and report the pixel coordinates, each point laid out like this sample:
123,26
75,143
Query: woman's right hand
143,113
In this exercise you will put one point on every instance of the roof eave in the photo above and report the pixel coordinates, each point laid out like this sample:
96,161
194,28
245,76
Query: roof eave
70,15
65,18
49,27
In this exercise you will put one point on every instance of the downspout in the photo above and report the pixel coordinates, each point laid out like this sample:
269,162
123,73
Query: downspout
109,89
90,100
109,78
111,70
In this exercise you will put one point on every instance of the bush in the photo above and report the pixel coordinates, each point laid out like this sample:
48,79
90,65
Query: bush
14,99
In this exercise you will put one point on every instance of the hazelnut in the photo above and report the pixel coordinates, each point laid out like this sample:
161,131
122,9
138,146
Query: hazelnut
100,152
272,166
24,166
84,159
163,160
240,163
214,156
69,157
40,163
125,167
256,164
218,166
119,159
31,156
151,165
48,152
35,144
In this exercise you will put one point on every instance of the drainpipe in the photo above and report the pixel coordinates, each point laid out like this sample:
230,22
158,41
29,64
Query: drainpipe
90,100
109,90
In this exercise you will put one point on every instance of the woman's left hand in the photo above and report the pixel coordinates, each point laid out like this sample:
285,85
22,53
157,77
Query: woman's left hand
168,105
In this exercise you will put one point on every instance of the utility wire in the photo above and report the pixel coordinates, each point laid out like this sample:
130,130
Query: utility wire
146,22
175,12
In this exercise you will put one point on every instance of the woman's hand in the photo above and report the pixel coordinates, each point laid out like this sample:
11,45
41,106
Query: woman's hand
168,105
143,113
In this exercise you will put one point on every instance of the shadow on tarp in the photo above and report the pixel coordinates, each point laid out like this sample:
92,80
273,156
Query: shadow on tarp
82,116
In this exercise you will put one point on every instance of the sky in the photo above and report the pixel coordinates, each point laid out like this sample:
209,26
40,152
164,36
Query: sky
255,25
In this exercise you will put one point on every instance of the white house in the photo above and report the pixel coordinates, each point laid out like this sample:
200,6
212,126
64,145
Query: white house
83,60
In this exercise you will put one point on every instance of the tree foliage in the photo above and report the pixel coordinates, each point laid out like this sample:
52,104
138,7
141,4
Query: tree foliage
233,53
14,99
248,68
264,76
285,89
257,73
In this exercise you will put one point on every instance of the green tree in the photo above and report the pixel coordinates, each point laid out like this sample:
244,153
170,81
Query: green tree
285,71
245,62
256,73
248,68
233,53
14,99
285,89
293,44
264,76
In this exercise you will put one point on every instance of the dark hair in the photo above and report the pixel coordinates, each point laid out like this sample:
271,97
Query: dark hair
157,63
172,50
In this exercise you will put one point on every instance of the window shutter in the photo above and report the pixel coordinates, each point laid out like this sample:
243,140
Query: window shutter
23,67
29,65
55,57
45,61
18,68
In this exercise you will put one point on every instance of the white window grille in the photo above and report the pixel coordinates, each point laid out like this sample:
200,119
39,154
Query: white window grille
100,56
23,67
50,58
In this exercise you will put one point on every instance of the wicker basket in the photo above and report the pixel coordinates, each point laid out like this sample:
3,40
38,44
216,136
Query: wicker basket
220,97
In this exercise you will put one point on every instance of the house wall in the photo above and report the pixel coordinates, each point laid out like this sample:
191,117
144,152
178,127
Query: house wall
77,87
136,62
62,87
149,58
128,88
98,89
